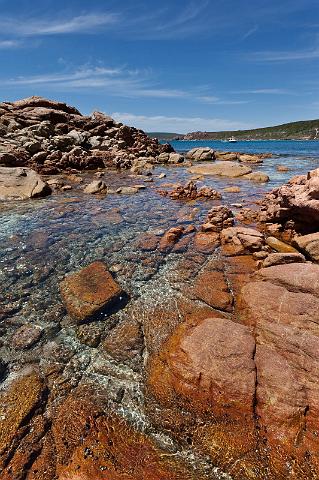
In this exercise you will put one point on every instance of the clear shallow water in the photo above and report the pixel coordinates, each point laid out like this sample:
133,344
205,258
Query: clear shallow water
42,240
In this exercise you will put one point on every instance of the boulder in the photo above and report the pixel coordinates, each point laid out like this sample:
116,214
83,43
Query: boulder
298,200
21,183
97,186
169,239
190,191
90,292
224,169
218,218
282,306
245,158
280,246
175,158
128,190
282,168
282,258
206,242
257,177
226,156
210,287
241,240
296,277
309,244
232,189
200,154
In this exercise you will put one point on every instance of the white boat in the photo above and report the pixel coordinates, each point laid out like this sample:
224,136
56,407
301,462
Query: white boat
232,140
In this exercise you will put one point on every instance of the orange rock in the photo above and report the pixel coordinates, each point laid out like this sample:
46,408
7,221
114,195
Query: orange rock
148,242
89,292
206,242
211,288
209,365
92,444
17,403
170,238
125,341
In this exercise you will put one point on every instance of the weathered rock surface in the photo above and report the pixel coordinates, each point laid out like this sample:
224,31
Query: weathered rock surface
97,186
309,244
90,292
282,306
51,136
226,156
169,239
218,218
257,177
190,191
206,242
245,158
21,184
224,169
298,201
200,154
282,258
280,246
208,362
241,240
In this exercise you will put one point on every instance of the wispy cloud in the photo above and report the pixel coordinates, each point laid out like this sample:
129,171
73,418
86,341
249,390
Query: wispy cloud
9,44
177,124
285,56
121,81
167,23
162,23
266,91
250,32
78,24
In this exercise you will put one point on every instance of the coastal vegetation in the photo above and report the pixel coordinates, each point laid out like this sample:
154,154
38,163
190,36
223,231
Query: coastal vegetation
303,130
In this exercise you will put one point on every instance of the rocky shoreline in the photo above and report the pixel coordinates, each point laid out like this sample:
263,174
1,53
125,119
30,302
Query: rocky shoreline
183,349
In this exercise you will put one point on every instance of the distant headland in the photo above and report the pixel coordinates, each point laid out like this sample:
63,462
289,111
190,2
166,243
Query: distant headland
303,130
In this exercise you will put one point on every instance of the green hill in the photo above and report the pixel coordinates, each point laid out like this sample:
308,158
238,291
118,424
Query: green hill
304,130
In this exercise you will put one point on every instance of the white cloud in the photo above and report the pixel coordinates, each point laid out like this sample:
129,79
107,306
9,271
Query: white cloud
120,81
266,91
8,44
165,22
78,24
162,123
285,56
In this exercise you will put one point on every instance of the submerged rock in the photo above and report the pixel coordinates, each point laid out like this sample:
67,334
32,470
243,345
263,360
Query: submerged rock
21,184
257,177
91,292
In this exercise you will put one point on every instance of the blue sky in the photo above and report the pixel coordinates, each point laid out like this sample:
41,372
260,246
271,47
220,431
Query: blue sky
178,65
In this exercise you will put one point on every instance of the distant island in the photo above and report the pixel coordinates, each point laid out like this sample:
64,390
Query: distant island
304,130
